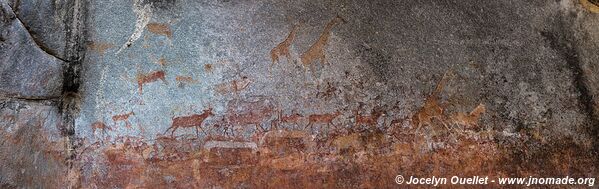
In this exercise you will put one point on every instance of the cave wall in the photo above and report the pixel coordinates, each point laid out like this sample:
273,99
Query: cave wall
236,94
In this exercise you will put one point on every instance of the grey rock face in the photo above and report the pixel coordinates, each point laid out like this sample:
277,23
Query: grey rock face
26,71
46,22
305,93
511,56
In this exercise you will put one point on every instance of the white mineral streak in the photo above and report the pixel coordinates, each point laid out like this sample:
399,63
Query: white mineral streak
143,13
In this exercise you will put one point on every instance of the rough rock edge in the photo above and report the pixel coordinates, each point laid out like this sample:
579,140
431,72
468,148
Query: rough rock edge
37,43
9,10
69,103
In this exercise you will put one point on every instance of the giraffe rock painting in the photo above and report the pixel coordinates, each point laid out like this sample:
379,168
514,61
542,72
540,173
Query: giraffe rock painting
316,50
282,49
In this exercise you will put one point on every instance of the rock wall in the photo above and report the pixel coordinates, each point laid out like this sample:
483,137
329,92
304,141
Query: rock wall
238,94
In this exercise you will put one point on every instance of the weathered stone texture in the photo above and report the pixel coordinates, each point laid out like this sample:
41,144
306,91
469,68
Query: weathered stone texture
32,150
26,71
302,94
46,22
378,88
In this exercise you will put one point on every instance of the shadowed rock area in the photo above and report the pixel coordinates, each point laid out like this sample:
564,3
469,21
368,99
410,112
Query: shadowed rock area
295,94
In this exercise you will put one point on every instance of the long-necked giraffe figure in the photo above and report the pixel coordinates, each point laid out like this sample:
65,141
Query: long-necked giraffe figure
282,49
316,51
